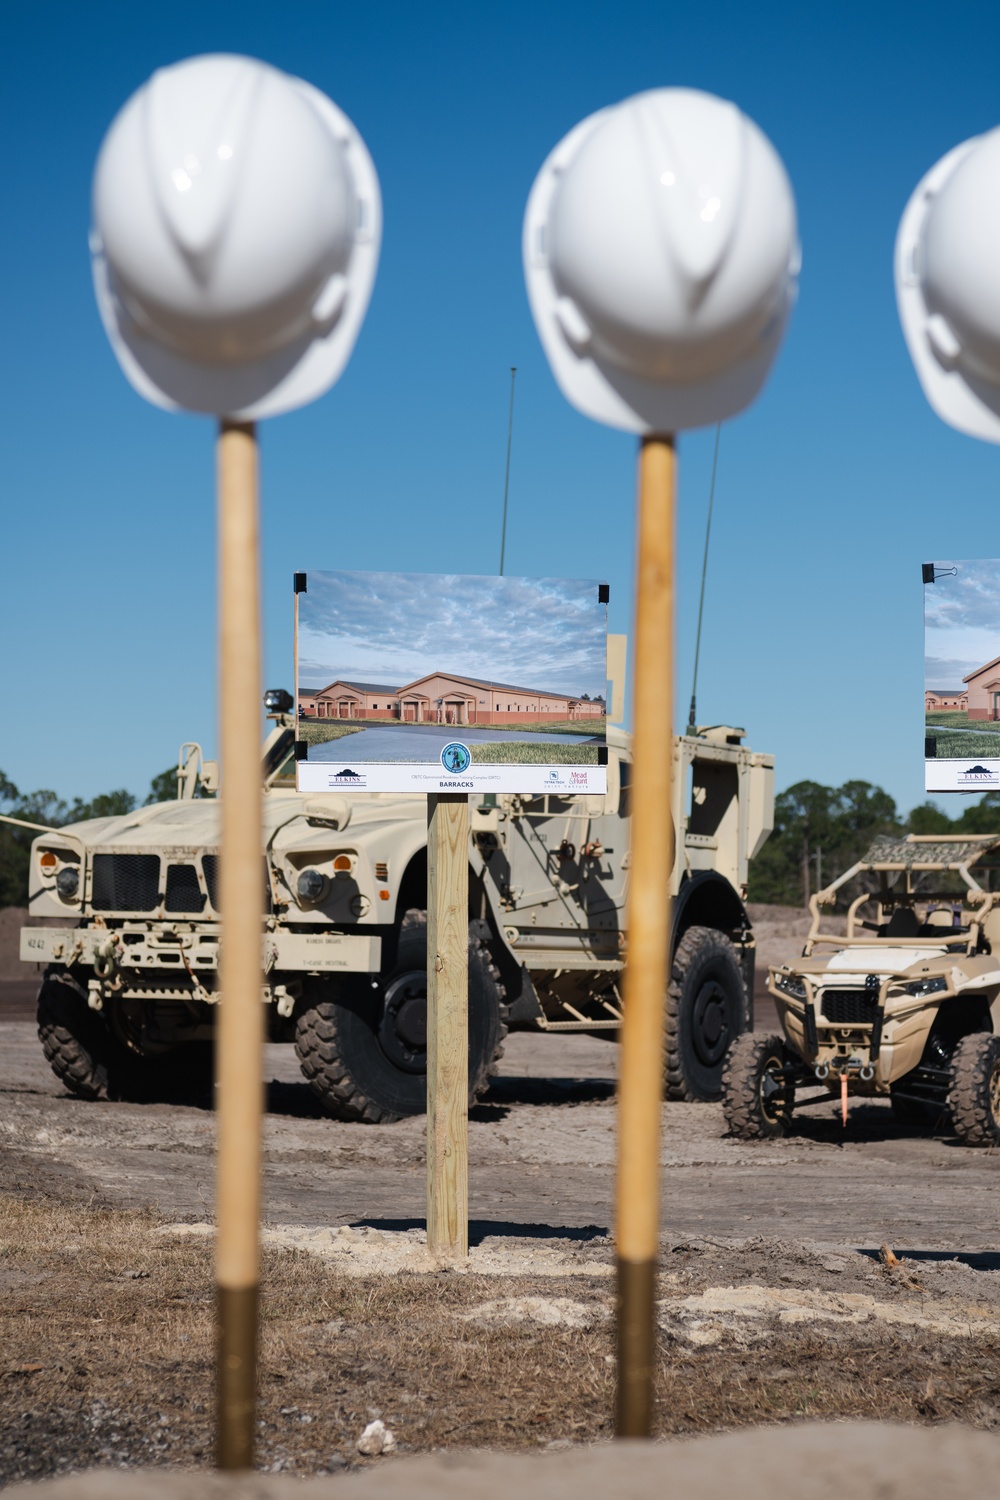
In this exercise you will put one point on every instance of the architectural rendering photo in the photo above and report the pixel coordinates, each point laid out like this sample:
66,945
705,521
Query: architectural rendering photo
392,669
962,673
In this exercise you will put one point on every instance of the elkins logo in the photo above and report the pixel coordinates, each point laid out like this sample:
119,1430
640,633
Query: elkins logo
978,776
347,777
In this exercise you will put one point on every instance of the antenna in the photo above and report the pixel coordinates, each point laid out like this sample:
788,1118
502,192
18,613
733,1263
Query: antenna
506,477
704,570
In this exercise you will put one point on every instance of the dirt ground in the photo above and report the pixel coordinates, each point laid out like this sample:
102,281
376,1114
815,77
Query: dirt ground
774,1303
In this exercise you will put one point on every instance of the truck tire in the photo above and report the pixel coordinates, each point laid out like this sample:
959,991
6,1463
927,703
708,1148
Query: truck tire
706,1012
75,1040
93,1062
756,1101
974,1095
363,1050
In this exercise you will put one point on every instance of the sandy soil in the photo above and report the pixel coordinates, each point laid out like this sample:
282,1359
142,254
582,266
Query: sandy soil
542,1159
806,1459
774,1302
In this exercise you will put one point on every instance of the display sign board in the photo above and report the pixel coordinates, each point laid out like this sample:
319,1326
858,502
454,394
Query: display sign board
962,676
425,682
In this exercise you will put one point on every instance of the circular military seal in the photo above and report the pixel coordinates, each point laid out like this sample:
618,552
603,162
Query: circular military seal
456,758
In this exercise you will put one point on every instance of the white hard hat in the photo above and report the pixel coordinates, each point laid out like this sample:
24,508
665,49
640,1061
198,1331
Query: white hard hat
236,227
661,256
948,285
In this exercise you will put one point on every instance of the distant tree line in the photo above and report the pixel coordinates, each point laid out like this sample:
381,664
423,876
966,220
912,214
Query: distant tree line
49,809
820,831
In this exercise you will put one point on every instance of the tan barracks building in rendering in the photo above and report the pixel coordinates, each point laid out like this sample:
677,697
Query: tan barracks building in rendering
984,691
442,698
937,700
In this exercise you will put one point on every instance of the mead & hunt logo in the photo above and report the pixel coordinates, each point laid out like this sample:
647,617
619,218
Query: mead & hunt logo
579,778
456,758
978,775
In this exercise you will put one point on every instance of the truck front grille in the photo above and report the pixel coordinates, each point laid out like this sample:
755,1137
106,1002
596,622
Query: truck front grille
210,869
126,882
849,1007
183,890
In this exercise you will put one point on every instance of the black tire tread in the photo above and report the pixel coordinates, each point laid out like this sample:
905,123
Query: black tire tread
318,1047
676,1084
969,1091
739,1087
70,1037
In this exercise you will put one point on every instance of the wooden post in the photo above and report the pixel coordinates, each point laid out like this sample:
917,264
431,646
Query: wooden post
640,1088
448,1026
240,1031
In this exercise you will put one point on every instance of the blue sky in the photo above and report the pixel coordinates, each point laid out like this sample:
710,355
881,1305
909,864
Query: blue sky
832,489
961,620
391,628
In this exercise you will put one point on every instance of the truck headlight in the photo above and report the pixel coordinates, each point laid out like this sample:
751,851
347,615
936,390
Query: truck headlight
925,986
790,984
68,882
311,885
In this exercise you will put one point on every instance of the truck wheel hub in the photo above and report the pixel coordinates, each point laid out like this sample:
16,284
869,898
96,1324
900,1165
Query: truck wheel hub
711,1023
403,1028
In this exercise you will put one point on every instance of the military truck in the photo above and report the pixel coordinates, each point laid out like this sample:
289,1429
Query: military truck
130,983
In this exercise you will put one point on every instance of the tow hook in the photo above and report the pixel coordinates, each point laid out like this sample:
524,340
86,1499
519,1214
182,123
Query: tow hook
106,958
842,1067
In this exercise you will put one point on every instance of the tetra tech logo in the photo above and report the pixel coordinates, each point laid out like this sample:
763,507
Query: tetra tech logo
456,758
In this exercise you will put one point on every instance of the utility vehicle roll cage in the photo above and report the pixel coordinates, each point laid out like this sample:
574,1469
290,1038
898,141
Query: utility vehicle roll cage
912,856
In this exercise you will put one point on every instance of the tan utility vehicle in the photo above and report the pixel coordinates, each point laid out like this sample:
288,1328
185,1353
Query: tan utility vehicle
907,1005
130,986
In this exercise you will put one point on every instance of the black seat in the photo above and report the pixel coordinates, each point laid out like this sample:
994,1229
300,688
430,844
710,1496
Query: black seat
904,923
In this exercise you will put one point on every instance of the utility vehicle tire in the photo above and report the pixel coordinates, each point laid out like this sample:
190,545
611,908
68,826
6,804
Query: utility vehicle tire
706,1012
363,1050
756,1102
974,1095
74,1039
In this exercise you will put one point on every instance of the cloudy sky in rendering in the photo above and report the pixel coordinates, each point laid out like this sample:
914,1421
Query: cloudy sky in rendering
961,621
545,633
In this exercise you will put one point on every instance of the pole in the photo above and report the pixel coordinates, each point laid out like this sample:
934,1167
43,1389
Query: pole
448,1026
506,477
693,711
640,1088
240,1031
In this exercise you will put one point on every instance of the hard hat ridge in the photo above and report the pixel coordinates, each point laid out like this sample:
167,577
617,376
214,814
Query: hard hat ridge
699,164
661,258
191,141
237,220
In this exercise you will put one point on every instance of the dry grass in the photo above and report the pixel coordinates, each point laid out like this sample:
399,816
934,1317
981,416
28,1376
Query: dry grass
532,753
326,730
106,1333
